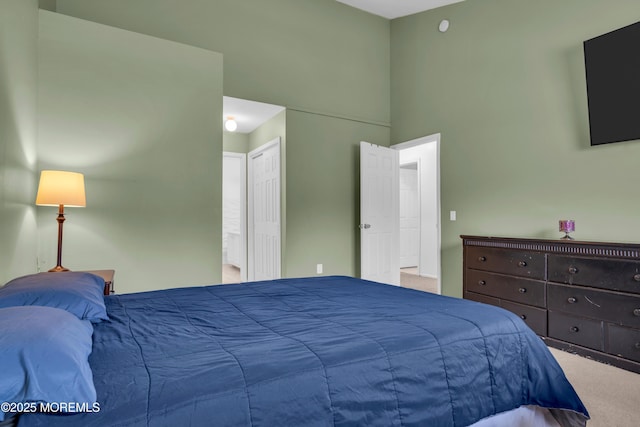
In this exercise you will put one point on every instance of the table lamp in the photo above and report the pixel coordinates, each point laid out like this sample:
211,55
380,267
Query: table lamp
60,188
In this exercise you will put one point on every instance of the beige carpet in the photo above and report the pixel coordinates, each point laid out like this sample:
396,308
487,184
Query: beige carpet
409,279
611,395
230,274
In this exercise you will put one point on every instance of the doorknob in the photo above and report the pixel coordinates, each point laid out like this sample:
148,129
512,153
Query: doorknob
364,226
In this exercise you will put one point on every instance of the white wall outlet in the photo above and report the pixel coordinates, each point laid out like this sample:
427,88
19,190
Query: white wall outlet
319,269
452,215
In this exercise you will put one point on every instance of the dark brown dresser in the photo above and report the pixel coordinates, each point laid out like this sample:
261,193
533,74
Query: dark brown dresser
583,297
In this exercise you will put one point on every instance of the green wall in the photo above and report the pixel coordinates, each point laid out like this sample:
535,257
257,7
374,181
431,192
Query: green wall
18,133
319,55
134,114
506,88
326,62
235,142
323,192
272,128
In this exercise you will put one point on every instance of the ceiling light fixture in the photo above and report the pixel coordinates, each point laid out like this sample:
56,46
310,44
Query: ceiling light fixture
444,26
230,124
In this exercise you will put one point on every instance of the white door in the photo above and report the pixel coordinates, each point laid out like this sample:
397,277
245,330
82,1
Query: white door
379,214
264,212
409,215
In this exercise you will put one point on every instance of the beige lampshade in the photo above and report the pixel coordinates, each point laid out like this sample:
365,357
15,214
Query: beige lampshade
61,188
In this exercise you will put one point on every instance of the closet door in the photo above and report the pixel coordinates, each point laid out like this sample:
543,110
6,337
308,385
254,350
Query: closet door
264,212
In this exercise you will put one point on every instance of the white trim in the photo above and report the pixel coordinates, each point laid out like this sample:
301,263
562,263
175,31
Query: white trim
418,141
435,138
243,210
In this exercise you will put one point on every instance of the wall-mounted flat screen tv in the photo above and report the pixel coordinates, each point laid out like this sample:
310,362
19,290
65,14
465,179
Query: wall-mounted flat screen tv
612,63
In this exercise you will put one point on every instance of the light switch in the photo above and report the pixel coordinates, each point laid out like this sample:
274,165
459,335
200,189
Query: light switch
319,269
452,215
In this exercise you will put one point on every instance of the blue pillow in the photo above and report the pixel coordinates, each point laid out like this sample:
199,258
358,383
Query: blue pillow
44,357
77,292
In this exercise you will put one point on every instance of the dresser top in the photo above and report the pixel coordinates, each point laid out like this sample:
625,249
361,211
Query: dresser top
569,247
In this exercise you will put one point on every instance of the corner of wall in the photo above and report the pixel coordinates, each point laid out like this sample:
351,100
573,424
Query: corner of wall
18,133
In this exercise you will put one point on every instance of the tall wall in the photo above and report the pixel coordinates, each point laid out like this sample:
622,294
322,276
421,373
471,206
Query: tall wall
134,114
319,55
326,62
323,192
18,134
506,88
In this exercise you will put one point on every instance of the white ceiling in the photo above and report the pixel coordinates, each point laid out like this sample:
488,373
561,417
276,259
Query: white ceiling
392,9
248,114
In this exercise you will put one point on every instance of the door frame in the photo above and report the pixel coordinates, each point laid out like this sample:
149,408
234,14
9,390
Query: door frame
243,210
250,207
429,139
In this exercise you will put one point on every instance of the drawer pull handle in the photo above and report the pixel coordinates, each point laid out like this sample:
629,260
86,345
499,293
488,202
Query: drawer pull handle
573,270
636,312
523,316
522,264
481,282
636,277
574,329
638,345
522,290
482,258
572,300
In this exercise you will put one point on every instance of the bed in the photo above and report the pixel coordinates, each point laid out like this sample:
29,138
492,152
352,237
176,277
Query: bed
315,352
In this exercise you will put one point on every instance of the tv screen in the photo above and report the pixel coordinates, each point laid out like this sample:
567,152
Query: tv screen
612,63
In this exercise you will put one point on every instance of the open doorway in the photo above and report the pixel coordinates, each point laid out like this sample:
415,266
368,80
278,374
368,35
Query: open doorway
257,124
234,214
409,217
419,207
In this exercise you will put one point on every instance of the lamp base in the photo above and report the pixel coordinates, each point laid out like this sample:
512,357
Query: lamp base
566,237
58,268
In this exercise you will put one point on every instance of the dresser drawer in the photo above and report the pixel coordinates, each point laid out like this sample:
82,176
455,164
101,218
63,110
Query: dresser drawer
615,307
611,274
535,318
624,342
517,263
576,330
482,298
526,291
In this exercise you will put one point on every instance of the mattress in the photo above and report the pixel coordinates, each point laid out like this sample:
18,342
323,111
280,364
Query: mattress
322,351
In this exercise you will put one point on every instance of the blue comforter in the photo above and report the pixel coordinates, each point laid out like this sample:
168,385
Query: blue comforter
314,352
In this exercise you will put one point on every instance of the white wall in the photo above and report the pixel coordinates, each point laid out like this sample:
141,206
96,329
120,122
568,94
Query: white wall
427,157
